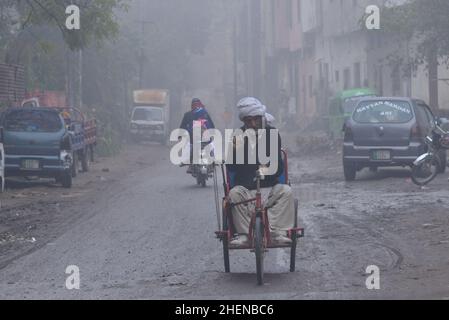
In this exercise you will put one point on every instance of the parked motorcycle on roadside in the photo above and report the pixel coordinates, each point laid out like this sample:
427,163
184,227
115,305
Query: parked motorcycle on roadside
426,168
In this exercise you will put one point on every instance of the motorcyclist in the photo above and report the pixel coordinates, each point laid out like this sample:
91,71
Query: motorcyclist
199,115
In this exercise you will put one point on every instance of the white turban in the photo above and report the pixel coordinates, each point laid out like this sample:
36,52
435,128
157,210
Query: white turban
251,107
270,119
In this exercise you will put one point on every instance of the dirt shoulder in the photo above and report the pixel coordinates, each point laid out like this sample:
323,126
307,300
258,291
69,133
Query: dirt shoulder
33,214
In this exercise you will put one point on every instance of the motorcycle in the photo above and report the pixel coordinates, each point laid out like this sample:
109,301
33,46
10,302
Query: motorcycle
203,170
426,168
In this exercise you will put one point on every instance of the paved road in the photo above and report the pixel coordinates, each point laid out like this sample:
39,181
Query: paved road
150,235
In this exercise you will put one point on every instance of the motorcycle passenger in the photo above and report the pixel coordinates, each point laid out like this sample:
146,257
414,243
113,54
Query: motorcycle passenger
277,197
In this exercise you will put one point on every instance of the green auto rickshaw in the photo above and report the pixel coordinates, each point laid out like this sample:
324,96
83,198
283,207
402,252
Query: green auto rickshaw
342,106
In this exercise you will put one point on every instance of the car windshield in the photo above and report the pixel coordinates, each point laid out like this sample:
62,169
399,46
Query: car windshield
384,111
33,121
147,115
350,103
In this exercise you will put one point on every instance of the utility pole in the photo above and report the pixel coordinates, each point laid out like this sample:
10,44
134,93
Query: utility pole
142,57
80,78
235,63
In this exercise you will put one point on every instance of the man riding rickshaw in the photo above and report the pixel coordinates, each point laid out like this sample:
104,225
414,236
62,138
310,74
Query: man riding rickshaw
259,210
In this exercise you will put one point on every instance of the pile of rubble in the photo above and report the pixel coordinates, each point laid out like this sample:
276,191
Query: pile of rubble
307,143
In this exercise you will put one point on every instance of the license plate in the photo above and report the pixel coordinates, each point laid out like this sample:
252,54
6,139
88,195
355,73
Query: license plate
30,164
381,155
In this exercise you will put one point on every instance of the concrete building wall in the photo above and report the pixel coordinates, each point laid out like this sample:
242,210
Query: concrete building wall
311,49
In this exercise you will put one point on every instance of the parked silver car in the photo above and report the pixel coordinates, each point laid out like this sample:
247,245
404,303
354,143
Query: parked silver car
385,132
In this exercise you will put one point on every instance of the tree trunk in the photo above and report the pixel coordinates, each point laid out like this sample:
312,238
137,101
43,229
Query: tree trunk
433,79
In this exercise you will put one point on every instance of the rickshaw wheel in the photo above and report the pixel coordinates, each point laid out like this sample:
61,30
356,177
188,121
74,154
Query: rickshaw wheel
259,249
294,241
226,244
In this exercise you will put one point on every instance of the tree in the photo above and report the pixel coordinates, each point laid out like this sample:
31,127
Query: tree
425,23
98,21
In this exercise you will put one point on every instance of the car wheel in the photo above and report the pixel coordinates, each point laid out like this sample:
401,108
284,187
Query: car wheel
350,171
66,179
85,160
75,165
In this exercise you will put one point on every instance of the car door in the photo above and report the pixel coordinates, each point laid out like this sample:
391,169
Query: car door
430,118
423,120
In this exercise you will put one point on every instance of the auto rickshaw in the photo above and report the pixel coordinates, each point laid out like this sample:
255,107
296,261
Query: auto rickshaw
342,106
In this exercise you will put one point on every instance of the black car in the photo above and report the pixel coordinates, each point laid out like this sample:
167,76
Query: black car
386,132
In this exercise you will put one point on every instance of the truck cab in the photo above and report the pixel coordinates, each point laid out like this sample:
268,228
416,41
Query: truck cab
148,123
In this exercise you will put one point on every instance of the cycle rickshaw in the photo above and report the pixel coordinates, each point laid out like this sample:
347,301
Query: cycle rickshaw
259,234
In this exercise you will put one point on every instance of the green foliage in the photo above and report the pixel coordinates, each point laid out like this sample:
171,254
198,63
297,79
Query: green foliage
158,35
98,21
424,21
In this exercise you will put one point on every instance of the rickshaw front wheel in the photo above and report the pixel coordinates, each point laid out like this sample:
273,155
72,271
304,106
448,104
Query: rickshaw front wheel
294,240
259,249
226,243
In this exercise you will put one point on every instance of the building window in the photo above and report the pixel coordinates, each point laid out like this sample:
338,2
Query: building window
337,76
396,81
357,75
347,79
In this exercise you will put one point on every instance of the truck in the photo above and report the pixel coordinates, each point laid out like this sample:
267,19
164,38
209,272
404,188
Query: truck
37,143
83,131
44,138
150,116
